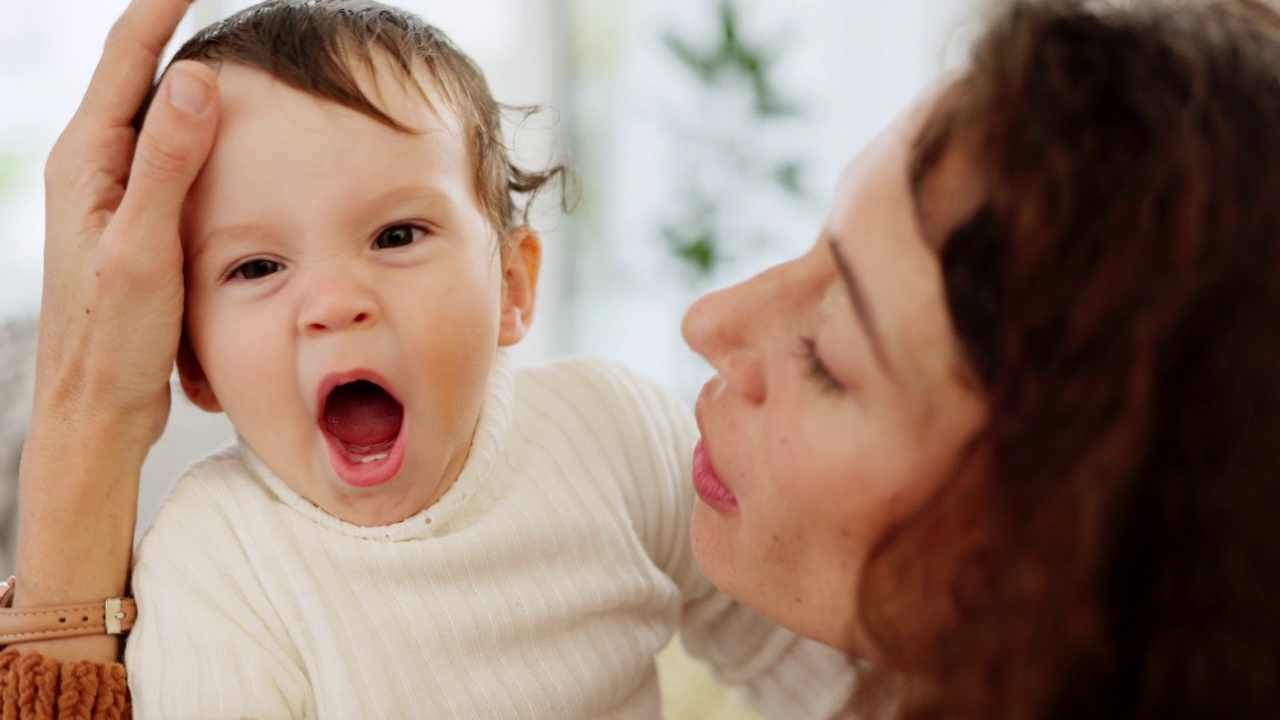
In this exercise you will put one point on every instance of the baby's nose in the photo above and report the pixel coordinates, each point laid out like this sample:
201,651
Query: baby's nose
337,301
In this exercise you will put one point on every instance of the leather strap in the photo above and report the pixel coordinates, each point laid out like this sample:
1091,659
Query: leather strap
114,616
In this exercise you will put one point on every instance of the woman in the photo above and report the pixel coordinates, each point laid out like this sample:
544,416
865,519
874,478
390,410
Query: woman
1010,428
1007,430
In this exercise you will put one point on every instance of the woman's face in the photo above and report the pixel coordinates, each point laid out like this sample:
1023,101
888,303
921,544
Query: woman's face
841,399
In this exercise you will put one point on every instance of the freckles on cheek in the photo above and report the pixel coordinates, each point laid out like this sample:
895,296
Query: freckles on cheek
779,551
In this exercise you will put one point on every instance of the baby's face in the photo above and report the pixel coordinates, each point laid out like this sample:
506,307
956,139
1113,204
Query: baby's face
345,294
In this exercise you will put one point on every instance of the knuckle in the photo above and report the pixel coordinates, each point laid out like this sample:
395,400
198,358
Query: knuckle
71,156
161,157
59,163
54,168
121,31
70,182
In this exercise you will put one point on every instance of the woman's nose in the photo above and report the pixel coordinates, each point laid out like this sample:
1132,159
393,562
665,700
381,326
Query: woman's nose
336,300
727,327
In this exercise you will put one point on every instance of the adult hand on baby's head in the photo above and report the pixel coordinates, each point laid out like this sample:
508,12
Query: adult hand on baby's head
110,319
113,296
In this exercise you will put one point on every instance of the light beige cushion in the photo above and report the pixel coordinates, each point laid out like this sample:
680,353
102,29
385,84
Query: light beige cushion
689,692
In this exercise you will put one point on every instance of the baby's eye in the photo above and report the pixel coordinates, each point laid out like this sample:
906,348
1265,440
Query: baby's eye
255,269
398,236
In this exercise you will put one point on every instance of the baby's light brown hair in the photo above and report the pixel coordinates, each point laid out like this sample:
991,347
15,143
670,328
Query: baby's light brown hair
320,47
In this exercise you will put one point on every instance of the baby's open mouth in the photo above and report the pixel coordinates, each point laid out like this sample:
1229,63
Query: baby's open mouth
364,419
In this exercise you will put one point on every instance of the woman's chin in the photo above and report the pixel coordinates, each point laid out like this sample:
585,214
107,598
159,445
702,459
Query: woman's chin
830,619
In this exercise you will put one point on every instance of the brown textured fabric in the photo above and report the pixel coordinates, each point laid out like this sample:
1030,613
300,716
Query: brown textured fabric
35,688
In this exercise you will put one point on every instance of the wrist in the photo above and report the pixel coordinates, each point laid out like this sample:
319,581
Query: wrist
75,406
86,631
76,416
77,508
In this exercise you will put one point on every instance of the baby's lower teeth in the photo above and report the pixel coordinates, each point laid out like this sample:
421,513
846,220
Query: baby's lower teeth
374,458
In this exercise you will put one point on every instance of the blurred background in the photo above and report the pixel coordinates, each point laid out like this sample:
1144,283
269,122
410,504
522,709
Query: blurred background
707,136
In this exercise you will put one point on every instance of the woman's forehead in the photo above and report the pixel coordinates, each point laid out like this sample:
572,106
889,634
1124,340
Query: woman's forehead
873,201
883,165
890,232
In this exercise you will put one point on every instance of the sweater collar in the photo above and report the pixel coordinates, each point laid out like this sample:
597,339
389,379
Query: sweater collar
487,443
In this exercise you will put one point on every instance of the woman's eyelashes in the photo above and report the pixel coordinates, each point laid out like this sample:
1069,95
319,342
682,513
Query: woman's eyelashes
398,236
817,371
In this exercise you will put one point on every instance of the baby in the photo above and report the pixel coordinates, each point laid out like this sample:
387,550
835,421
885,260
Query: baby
406,526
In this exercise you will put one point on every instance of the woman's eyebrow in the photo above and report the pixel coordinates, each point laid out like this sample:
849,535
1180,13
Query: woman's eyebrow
859,302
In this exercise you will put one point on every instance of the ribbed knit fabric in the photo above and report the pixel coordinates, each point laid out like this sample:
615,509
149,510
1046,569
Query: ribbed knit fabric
35,688
541,585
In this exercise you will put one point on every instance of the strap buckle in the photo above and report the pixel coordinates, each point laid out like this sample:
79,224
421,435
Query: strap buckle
114,616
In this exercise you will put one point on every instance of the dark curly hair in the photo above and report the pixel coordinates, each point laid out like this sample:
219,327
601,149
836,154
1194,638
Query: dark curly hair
318,46
1109,546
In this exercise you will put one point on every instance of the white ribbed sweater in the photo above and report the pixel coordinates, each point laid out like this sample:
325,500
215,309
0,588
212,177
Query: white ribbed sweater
541,585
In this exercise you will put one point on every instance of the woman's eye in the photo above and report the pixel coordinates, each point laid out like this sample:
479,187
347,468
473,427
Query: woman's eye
818,372
255,269
397,236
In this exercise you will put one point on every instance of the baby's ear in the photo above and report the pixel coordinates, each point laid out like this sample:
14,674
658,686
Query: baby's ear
521,261
194,383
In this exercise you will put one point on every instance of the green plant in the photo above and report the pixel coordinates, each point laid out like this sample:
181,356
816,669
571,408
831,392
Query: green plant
9,170
729,65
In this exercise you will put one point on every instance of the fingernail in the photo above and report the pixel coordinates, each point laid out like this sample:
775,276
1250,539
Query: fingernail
186,93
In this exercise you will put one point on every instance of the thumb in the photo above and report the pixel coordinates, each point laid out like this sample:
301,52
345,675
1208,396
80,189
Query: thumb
174,143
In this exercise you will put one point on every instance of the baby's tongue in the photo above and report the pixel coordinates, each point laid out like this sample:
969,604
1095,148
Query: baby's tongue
363,416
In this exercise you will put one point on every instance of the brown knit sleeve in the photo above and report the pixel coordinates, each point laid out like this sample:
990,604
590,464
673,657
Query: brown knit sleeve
35,688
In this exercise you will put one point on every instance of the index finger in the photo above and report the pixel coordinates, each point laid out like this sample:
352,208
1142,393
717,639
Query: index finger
129,59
